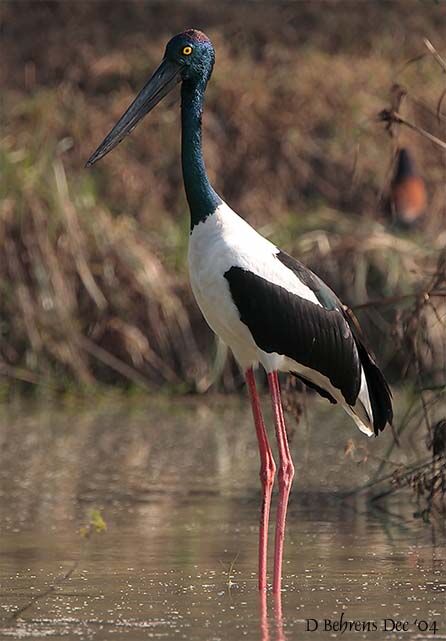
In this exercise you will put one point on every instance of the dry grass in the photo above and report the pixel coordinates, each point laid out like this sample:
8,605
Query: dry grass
85,291
92,263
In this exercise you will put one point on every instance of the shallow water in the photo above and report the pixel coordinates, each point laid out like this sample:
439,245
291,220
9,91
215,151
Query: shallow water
177,486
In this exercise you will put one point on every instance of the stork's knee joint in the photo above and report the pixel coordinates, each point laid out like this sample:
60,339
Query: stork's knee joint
267,473
286,474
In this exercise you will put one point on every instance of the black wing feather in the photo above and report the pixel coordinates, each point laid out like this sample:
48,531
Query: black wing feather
310,334
379,391
320,390
324,337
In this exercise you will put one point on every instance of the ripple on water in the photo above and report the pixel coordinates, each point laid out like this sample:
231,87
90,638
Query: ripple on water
178,491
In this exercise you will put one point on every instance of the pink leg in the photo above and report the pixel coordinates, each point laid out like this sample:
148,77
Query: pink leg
264,627
267,471
279,616
286,474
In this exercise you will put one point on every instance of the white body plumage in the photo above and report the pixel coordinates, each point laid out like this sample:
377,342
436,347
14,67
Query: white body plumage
224,240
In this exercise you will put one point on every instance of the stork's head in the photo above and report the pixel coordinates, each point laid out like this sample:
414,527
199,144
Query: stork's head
194,54
189,57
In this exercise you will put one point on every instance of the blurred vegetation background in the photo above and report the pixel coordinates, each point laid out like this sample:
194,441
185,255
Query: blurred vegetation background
93,272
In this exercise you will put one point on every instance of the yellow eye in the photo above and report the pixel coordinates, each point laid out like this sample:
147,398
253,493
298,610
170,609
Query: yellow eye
187,51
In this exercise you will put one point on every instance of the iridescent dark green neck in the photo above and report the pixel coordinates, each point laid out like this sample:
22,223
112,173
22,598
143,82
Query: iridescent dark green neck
201,197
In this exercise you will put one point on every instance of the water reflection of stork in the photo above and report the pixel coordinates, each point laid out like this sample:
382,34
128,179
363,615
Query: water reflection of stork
266,306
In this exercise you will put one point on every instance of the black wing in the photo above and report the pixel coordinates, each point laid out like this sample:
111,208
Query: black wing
324,337
310,334
379,391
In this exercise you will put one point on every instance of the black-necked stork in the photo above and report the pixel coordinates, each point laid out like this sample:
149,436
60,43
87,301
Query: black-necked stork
265,305
407,191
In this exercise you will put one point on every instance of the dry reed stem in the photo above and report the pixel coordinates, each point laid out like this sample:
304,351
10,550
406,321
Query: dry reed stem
430,47
394,117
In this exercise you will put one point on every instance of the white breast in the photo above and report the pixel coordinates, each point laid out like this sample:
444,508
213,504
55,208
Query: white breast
224,240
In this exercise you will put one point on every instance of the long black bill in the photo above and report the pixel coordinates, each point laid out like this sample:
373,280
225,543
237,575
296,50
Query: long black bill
163,80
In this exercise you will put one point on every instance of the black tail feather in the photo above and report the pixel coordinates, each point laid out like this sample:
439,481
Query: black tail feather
379,391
